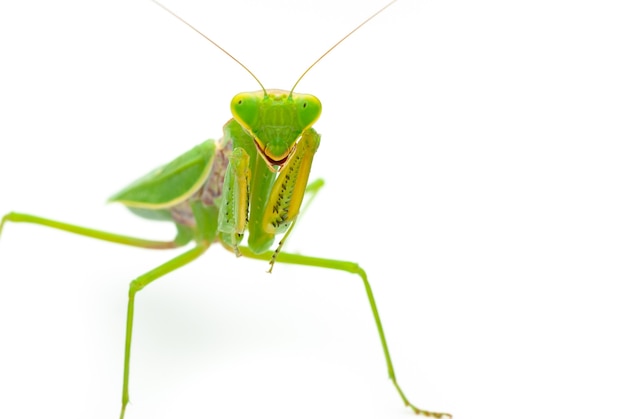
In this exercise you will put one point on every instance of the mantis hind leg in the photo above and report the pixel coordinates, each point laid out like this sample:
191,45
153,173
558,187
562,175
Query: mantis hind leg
183,236
354,268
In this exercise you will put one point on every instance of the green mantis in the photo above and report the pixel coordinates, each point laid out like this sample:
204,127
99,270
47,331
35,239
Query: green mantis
244,191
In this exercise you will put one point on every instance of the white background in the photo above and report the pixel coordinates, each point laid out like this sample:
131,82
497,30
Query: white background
475,165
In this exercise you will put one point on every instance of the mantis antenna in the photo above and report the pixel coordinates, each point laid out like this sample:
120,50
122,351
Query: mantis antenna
339,42
213,42
248,70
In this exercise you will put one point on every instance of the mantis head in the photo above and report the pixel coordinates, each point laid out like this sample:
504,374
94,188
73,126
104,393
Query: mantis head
276,120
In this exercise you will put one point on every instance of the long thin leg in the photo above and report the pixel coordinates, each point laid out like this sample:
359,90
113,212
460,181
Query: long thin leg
354,268
16,217
136,286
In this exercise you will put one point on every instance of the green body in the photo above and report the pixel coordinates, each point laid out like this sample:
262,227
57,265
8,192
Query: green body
251,182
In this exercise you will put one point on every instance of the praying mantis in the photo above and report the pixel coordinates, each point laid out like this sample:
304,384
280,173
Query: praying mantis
244,191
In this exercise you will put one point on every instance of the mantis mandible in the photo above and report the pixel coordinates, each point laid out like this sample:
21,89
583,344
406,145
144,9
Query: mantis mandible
249,185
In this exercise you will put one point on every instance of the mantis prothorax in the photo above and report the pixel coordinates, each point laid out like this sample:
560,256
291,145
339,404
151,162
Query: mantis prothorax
251,183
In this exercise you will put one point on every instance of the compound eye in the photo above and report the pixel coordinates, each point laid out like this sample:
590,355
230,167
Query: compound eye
245,109
309,109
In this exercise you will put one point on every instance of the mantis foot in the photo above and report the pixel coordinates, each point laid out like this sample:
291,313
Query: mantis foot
417,410
430,414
